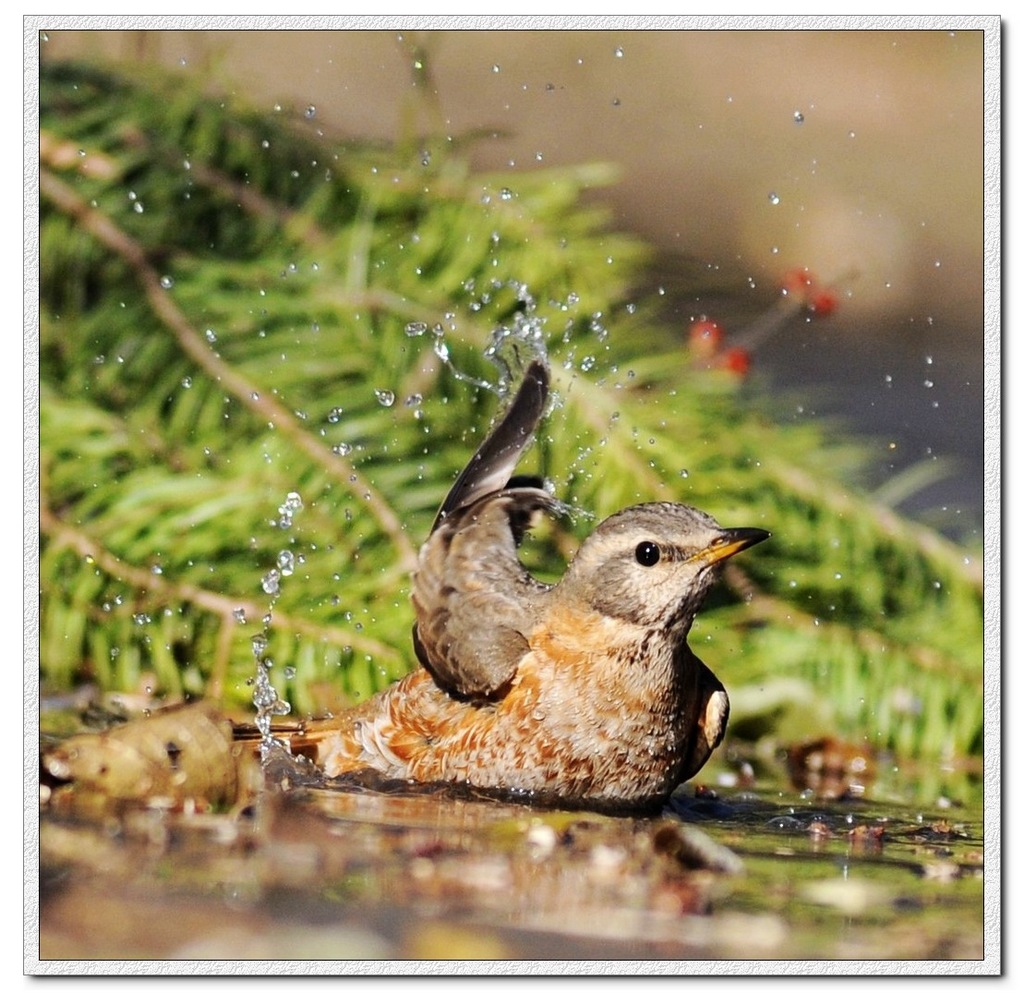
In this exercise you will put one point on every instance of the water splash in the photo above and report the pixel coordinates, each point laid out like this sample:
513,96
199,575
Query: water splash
512,347
264,695
287,510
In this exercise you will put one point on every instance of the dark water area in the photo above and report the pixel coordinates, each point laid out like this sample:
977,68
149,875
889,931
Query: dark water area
922,406
910,390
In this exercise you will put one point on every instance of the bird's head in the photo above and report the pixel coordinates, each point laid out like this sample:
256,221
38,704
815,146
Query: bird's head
652,565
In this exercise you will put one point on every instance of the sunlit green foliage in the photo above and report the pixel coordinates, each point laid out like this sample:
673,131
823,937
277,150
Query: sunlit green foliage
223,320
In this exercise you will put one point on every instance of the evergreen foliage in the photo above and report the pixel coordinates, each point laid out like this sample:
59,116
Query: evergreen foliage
226,307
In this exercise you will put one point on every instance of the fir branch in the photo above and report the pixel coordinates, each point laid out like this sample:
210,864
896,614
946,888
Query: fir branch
937,548
254,398
760,606
233,611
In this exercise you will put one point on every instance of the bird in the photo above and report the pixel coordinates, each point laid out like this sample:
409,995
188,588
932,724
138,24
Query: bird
584,692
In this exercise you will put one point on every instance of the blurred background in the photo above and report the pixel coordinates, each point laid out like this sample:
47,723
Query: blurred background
856,154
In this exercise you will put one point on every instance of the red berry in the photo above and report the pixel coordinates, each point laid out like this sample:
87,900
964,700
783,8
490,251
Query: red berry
803,284
798,281
823,302
735,360
705,337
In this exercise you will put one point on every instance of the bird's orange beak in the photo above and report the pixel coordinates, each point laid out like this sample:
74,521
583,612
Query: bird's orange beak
729,542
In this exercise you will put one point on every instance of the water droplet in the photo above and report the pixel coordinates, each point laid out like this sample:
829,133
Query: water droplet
286,562
211,335
239,615
334,415
166,282
292,504
310,111
342,449
774,198
798,116
385,396
619,52
186,382
271,583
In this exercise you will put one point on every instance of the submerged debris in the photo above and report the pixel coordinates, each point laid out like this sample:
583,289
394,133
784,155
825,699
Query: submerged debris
831,768
168,758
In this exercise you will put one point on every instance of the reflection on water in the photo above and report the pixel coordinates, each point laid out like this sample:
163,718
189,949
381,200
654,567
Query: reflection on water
344,872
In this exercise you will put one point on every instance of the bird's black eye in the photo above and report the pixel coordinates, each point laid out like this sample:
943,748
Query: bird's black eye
648,553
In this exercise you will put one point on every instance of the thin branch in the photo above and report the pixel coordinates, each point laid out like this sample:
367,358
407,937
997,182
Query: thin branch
887,520
249,394
764,606
256,204
225,607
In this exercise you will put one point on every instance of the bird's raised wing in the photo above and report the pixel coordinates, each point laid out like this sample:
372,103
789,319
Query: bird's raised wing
491,467
474,601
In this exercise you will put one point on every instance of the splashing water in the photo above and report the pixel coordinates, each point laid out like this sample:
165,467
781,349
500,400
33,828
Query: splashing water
264,695
291,505
512,348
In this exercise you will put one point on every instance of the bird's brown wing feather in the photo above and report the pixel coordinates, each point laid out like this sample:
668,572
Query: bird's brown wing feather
472,596
474,601
491,467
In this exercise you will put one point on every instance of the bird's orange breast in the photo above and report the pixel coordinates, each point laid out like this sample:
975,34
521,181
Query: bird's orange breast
568,719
